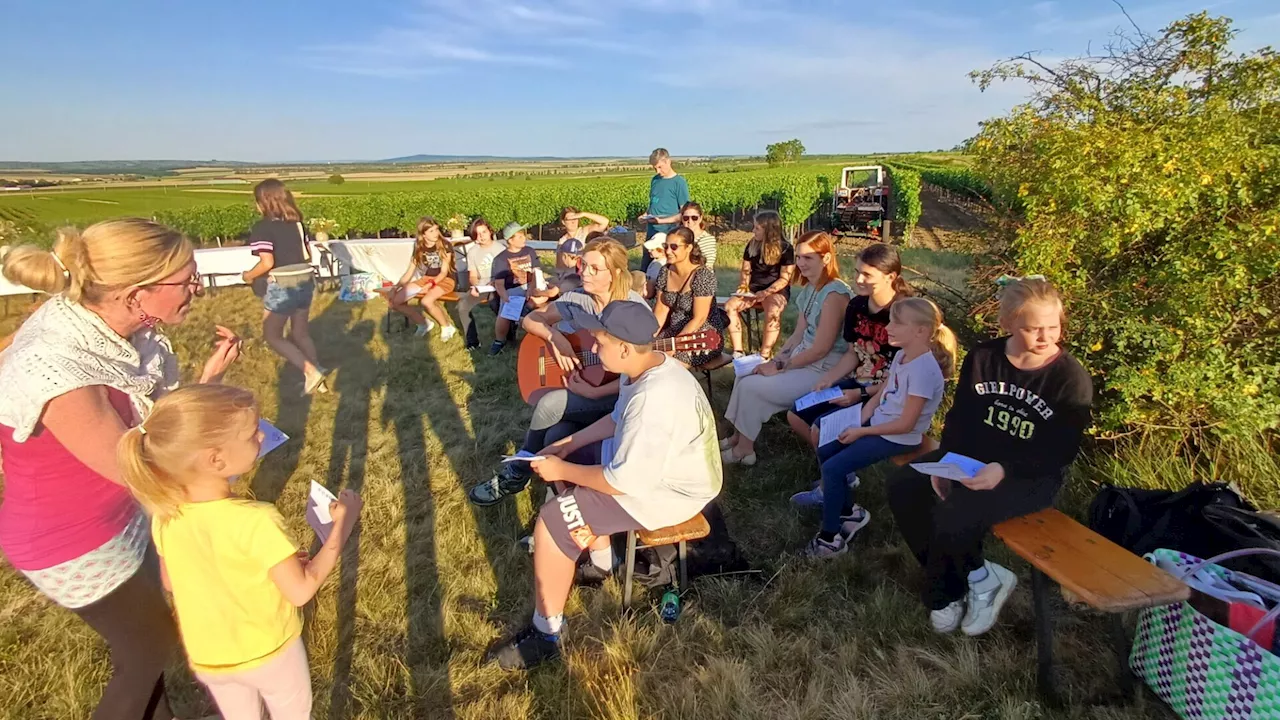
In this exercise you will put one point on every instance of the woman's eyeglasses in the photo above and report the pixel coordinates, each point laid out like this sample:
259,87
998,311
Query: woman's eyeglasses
195,283
590,270
691,218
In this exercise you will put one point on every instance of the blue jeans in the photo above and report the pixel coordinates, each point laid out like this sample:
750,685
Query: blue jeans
838,460
285,300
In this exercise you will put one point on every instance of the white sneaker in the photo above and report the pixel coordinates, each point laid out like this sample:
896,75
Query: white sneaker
728,458
726,443
448,333
985,599
819,549
948,618
425,328
738,354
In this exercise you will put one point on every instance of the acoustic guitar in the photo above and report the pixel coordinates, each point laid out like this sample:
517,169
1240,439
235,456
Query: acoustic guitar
537,370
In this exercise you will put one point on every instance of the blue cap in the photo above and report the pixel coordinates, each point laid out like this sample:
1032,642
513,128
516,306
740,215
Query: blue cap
573,246
626,320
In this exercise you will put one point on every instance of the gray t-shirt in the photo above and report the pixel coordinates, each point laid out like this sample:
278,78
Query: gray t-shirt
580,301
921,377
663,457
480,260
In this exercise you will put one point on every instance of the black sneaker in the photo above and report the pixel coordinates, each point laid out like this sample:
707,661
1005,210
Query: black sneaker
496,347
507,481
589,575
530,647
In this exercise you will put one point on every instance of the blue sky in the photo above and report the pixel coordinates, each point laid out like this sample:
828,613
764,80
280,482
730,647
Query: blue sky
265,80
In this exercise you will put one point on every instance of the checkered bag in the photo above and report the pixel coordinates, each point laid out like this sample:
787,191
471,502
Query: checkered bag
1200,668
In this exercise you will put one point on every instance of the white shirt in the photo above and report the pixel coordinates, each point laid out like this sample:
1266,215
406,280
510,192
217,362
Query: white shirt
663,456
922,377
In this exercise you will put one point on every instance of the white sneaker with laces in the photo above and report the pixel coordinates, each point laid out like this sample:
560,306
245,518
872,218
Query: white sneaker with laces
728,458
985,599
853,522
819,549
726,443
948,618
448,333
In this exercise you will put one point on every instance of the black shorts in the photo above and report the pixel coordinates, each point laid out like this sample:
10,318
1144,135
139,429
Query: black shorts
810,415
578,516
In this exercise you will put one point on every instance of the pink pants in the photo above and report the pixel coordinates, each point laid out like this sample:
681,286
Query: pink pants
283,683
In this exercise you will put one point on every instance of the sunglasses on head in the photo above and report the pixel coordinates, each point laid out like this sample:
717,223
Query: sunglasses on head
691,218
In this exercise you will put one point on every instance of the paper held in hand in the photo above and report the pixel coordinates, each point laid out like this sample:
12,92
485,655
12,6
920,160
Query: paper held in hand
830,426
952,466
818,396
539,280
318,516
744,365
523,456
272,438
482,289
511,308
742,294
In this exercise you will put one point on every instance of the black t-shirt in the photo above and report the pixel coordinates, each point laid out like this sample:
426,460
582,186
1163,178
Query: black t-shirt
282,238
763,275
430,264
515,268
866,334
1029,421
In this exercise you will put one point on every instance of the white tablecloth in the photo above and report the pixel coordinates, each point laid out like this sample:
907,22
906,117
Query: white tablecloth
222,266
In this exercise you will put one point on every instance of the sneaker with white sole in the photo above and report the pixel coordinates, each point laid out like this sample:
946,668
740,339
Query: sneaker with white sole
448,332
728,458
726,443
948,618
819,549
853,522
985,599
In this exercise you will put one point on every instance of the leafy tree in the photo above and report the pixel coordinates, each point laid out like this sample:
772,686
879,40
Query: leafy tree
784,152
336,179
1145,182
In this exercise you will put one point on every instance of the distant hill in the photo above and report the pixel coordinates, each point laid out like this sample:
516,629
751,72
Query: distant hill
117,167
425,159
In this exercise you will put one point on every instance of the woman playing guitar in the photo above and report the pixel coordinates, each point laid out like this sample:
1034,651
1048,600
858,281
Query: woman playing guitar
557,413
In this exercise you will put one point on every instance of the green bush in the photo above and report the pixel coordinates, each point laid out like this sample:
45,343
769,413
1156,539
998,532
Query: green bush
336,179
906,196
1149,183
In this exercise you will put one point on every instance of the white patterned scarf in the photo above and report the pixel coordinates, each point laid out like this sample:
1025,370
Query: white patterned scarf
64,346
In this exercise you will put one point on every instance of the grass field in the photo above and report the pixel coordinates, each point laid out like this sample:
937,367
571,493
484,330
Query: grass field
401,629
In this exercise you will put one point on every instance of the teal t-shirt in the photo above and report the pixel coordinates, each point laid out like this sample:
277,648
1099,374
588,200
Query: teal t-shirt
666,197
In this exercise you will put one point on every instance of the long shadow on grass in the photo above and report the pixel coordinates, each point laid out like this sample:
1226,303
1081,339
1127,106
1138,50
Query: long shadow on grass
350,446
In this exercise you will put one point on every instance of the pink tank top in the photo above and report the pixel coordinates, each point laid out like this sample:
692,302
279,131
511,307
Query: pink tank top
54,507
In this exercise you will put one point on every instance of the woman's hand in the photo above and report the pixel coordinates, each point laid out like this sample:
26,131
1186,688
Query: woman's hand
987,478
225,352
474,291
767,369
847,398
576,385
566,358
822,384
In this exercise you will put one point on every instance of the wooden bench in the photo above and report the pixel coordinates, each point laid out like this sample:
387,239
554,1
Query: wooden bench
695,528
927,445
1090,569
447,297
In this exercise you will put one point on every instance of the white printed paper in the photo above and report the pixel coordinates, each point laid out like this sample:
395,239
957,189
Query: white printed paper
539,281
318,516
482,289
511,308
743,294
523,456
952,466
744,365
272,437
818,397
830,426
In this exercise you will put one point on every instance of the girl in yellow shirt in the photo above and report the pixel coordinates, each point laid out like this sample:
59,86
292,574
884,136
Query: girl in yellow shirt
236,576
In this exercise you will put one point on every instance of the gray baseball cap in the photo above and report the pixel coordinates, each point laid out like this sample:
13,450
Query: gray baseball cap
511,229
623,319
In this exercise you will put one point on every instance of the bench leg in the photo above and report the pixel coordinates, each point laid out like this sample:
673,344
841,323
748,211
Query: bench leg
684,566
1044,638
1122,640
630,570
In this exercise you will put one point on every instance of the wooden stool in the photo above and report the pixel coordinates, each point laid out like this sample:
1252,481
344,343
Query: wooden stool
695,528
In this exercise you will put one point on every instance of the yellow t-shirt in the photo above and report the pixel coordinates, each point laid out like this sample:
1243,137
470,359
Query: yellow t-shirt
231,615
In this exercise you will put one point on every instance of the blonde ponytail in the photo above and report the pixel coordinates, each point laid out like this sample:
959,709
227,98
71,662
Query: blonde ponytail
155,490
156,457
942,341
106,256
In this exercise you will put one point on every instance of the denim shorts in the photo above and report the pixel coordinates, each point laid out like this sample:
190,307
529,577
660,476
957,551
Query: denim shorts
287,300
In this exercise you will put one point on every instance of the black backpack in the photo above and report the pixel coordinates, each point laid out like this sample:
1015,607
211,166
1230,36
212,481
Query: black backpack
1202,519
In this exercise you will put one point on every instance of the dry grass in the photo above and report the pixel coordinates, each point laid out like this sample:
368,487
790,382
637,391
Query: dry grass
401,629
